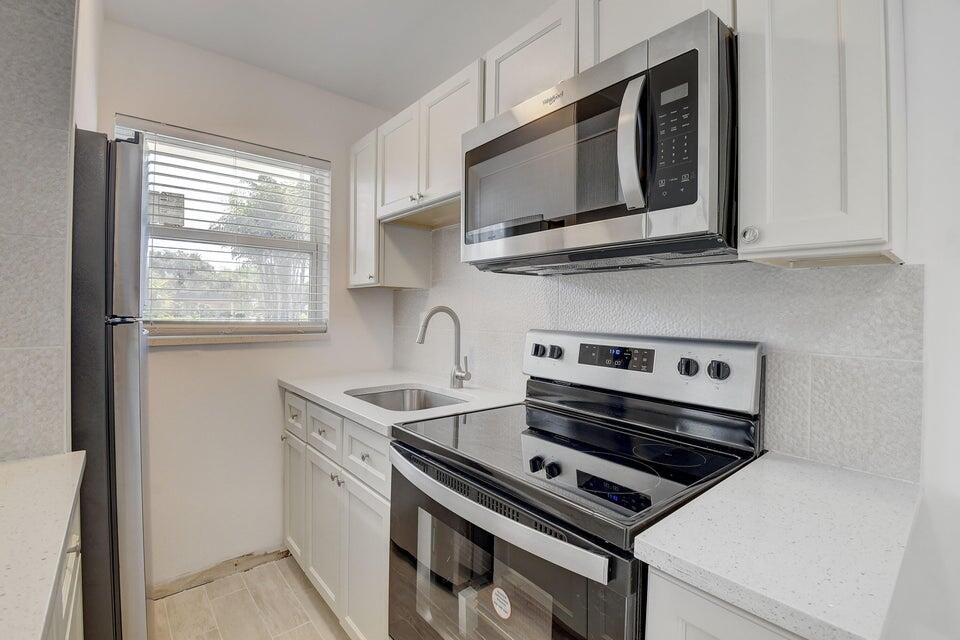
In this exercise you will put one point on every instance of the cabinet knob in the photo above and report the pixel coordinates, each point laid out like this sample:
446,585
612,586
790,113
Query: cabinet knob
333,477
370,277
413,198
321,432
364,457
283,437
750,235
339,482
419,196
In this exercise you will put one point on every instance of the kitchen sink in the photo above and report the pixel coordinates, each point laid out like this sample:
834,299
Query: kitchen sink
404,398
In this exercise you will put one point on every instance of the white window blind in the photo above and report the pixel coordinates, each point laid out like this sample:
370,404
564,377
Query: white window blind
237,241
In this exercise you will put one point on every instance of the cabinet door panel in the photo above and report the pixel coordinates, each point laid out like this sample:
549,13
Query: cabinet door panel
446,113
813,125
364,227
533,59
607,27
678,612
323,506
398,161
366,540
294,472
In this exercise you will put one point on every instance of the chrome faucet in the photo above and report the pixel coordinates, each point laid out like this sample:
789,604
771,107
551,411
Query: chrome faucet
458,375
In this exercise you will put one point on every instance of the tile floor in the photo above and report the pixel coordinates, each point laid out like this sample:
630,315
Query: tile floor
273,601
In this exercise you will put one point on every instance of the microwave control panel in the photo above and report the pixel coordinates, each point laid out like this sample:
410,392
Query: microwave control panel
673,108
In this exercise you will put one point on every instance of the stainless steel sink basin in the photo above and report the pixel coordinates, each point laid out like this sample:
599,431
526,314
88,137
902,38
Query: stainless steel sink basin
404,399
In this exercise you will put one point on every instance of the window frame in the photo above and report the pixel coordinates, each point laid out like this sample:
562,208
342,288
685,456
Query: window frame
175,332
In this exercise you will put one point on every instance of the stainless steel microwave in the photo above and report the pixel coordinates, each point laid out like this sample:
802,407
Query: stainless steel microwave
631,163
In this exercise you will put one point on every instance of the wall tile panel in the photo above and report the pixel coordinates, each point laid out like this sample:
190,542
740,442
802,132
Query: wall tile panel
837,409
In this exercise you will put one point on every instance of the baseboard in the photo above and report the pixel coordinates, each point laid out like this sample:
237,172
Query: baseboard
217,571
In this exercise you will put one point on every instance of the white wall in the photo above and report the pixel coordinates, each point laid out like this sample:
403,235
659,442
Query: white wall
925,604
36,194
86,80
212,448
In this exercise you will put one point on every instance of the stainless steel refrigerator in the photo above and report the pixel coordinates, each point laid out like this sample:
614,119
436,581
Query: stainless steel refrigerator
108,350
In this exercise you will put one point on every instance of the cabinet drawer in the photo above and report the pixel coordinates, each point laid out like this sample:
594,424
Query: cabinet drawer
324,431
295,415
365,455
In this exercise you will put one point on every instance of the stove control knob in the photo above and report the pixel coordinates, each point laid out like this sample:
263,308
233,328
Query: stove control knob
552,469
718,370
688,367
555,352
536,463
538,351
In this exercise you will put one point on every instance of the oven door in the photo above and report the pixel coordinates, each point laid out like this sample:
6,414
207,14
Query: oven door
467,563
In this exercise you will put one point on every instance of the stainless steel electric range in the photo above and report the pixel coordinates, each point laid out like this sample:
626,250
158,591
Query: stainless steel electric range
518,523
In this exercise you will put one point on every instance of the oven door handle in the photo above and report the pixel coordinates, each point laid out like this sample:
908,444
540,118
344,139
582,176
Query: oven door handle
563,554
630,143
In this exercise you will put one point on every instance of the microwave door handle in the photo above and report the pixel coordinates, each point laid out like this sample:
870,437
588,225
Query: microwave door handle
630,143
563,554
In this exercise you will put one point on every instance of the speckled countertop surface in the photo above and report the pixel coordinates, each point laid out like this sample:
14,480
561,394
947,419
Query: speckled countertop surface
331,392
811,548
36,504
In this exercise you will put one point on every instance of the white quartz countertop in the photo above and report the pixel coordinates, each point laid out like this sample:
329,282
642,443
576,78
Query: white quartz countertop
36,503
811,548
330,392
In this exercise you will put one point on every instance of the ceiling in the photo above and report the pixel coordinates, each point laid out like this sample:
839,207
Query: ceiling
386,53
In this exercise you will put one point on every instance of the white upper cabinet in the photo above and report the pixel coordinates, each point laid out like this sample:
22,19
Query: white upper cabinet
398,161
821,131
446,113
364,228
607,27
533,59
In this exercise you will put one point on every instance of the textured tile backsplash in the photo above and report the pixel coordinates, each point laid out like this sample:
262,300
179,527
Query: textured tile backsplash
844,377
36,51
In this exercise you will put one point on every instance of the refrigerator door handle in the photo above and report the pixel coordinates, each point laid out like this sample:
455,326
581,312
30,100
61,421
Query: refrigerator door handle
128,229
129,387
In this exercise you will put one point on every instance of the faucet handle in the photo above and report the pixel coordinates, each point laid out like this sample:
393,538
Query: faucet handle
465,374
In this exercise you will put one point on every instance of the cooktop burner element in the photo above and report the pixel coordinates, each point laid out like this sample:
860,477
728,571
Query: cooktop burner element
670,455
610,449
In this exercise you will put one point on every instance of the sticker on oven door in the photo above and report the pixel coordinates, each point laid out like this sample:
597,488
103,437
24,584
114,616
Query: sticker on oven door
501,602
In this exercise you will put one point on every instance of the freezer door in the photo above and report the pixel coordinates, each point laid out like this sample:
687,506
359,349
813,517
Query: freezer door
129,419
127,233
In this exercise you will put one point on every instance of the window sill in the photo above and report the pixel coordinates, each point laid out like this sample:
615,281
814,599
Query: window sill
214,339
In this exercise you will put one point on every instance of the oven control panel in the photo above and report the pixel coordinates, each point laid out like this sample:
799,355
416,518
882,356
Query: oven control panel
718,374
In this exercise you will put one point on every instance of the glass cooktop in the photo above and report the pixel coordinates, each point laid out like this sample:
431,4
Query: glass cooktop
614,471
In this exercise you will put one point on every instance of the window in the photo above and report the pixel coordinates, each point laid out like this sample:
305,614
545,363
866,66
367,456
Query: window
237,236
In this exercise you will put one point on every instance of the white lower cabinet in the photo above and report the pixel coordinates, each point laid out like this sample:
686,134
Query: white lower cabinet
323,506
66,609
676,611
337,527
294,476
365,532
